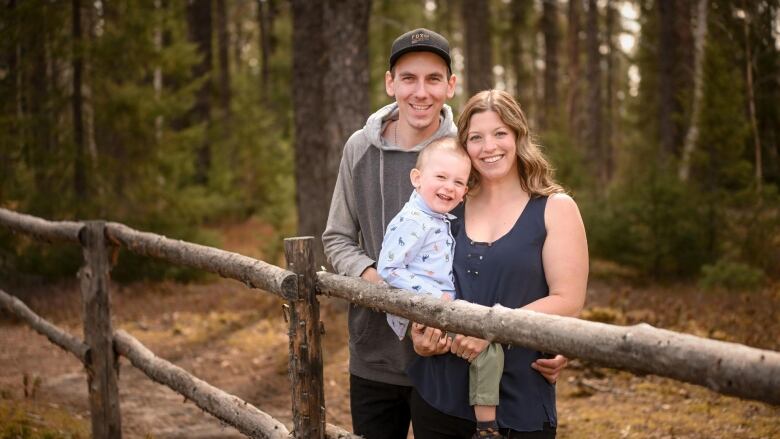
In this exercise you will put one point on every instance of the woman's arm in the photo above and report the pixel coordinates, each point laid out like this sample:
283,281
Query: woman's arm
565,259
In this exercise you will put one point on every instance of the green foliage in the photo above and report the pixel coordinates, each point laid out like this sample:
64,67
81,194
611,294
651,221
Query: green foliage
142,143
719,163
731,276
566,159
653,225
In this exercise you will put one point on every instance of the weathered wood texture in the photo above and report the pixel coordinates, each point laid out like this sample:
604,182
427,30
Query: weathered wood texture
103,367
308,399
252,272
233,410
40,228
727,368
44,327
336,432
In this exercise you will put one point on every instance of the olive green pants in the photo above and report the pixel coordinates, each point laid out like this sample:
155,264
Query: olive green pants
485,376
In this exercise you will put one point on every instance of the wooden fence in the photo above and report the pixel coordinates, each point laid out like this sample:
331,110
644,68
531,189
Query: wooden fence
728,368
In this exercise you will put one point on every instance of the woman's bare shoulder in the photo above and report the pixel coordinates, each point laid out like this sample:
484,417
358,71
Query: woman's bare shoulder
561,207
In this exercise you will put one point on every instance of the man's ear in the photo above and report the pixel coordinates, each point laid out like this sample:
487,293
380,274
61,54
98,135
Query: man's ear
451,86
389,84
415,176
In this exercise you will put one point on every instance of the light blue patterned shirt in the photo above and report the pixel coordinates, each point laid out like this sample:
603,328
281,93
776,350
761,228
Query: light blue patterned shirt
417,254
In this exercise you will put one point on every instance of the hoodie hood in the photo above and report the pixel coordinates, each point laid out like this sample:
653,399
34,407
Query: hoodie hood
377,122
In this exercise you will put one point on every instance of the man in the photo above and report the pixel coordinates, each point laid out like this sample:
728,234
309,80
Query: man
372,186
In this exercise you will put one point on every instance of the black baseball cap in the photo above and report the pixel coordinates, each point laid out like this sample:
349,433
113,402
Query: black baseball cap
421,40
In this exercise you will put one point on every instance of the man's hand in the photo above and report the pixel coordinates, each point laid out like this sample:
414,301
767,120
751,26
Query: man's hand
550,368
429,341
370,274
467,347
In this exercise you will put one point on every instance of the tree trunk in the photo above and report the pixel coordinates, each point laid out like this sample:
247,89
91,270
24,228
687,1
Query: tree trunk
330,100
683,71
692,136
675,71
348,63
751,98
42,143
607,164
479,63
594,140
79,165
313,179
519,16
265,19
549,25
444,14
574,112
223,42
14,82
199,25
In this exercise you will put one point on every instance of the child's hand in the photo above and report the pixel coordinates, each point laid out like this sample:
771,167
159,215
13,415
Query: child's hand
447,297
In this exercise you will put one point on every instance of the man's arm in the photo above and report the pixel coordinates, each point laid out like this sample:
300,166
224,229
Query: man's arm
341,237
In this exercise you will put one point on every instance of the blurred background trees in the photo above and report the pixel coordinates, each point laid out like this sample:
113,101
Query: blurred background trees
661,117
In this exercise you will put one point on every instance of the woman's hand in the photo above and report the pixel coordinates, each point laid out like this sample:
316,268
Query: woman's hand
550,368
429,341
467,347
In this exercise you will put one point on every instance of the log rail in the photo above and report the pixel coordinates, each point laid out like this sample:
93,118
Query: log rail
727,368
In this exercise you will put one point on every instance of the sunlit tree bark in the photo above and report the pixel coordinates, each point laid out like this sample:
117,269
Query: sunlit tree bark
692,136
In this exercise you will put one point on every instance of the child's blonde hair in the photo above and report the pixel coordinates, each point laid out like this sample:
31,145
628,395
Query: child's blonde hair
446,143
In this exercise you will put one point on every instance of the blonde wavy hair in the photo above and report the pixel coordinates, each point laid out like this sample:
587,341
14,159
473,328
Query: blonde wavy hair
535,172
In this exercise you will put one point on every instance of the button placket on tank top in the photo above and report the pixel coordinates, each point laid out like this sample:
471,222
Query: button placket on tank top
475,257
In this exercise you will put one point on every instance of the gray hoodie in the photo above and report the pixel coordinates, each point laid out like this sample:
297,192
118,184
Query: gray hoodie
372,186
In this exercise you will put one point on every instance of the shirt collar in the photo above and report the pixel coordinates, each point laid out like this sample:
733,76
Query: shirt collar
417,201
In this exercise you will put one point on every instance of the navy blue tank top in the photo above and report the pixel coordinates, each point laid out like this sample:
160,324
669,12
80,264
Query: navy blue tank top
508,271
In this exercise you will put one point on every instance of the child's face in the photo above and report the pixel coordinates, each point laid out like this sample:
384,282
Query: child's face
442,181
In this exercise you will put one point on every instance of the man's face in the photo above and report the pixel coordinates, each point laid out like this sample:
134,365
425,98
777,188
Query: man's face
420,85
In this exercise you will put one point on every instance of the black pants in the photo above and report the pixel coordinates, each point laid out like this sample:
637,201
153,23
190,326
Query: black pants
379,410
429,423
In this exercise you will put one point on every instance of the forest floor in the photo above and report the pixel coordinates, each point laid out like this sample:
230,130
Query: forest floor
235,339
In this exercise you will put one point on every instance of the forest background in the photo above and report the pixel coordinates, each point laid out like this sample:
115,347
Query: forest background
661,118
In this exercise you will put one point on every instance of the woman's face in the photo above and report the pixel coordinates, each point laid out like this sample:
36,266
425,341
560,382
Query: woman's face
492,146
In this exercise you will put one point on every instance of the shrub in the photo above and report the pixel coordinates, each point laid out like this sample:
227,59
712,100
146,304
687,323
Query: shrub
730,275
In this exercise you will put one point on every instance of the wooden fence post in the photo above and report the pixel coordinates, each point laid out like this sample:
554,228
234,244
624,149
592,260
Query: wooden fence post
308,398
102,364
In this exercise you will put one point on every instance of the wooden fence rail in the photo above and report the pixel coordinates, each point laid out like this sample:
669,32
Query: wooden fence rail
727,368
42,326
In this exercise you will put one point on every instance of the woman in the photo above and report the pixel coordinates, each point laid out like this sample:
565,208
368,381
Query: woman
520,242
